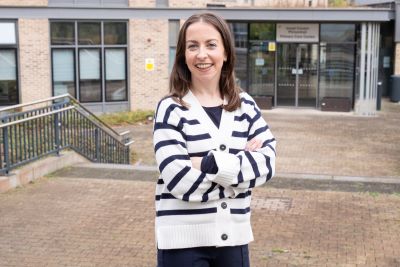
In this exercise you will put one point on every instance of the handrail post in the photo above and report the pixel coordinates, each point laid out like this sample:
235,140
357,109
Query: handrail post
57,133
97,143
6,152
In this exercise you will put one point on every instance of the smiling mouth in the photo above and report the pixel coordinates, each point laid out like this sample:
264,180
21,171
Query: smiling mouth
203,65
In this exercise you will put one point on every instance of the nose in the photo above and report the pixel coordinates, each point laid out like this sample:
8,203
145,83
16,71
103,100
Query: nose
202,53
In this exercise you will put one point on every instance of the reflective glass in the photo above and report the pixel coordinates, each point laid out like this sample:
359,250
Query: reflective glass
337,70
172,54
89,33
262,31
7,30
337,33
240,37
173,31
62,33
89,74
8,75
63,72
116,75
114,33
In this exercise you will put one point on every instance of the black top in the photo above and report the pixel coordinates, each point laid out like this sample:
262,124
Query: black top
215,114
208,164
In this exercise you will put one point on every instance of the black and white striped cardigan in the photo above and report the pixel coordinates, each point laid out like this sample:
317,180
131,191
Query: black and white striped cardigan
196,209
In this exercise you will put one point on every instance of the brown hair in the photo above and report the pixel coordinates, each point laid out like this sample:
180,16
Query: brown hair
180,79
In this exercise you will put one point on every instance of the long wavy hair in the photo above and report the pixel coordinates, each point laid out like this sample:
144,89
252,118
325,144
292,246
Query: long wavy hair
180,79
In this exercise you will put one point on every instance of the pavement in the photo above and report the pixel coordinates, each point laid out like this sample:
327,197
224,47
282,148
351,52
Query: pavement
101,215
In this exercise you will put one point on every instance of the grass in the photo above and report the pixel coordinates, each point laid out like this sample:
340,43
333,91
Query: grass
279,250
127,117
373,194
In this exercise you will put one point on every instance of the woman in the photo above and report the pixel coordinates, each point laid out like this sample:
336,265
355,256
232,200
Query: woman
212,147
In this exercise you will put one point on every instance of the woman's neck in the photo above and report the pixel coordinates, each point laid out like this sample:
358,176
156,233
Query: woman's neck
208,96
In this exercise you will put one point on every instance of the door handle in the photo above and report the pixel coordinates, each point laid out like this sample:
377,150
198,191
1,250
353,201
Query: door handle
297,71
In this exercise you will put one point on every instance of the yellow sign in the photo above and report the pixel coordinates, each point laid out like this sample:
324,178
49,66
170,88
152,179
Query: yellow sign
271,46
149,64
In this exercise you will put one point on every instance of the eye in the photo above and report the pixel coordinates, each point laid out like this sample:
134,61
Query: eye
192,46
212,45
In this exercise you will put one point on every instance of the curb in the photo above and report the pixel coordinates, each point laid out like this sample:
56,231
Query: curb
304,176
30,172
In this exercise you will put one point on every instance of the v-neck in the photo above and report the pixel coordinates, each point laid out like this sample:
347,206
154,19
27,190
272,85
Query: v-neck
219,135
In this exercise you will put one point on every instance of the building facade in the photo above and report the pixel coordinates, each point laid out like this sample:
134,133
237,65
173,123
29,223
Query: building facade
117,55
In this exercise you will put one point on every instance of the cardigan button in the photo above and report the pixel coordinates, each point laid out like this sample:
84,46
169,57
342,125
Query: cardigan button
222,147
224,237
224,205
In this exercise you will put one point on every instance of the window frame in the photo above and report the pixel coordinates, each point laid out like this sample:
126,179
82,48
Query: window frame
52,69
126,74
14,47
102,47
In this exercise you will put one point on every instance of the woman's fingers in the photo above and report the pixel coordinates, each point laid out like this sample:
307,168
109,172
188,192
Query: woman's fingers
253,144
196,162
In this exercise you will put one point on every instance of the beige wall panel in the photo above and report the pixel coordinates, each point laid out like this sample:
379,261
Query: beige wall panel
142,3
23,2
397,60
34,55
148,39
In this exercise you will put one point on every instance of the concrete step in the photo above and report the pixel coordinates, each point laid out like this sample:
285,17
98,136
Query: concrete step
286,181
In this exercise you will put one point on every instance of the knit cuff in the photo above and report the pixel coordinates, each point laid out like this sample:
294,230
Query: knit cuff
208,165
228,168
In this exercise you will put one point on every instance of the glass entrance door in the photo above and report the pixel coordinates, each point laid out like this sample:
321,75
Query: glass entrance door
297,75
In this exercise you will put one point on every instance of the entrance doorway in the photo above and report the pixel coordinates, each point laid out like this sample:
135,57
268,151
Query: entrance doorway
297,75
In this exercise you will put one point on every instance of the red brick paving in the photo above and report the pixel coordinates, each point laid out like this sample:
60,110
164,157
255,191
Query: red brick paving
92,222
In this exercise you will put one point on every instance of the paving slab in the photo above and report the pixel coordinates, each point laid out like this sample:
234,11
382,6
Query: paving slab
64,221
313,142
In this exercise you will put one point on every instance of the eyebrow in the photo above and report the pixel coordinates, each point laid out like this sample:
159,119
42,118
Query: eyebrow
194,41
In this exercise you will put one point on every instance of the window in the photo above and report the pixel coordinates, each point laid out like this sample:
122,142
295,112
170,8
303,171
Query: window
89,60
115,74
62,33
63,71
240,35
337,60
8,64
338,33
161,3
173,31
261,59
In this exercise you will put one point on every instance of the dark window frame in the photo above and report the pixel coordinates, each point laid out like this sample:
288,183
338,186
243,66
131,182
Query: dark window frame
100,71
52,68
105,76
14,47
102,46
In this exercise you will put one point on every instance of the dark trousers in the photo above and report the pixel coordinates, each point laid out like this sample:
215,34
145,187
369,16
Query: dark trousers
237,256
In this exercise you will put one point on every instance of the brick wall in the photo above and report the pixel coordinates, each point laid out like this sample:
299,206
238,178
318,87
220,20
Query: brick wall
248,3
142,3
23,2
397,60
34,57
148,39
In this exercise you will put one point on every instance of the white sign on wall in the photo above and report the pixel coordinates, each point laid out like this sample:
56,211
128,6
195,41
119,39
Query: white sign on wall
297,33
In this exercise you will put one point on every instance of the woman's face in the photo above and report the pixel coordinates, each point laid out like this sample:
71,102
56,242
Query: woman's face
204,53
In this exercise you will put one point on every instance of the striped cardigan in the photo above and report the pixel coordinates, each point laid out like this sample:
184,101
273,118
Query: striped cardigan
196,209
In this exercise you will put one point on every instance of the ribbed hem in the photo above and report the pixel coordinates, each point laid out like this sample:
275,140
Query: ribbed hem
202,235
228,168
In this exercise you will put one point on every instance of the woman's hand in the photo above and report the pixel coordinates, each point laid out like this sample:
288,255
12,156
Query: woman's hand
253,145
196,162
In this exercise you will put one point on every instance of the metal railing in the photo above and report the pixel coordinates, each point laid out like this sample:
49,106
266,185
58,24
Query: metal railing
34,130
